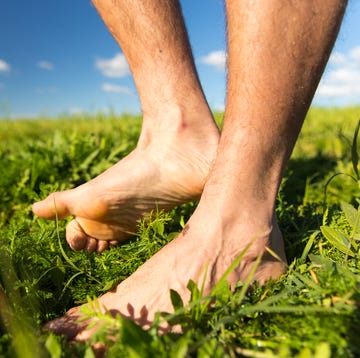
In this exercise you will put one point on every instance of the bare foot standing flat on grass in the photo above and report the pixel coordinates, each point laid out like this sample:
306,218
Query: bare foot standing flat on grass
277,52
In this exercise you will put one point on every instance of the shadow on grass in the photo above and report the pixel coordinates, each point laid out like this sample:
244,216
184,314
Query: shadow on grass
299,217
298,221
354,332
302,170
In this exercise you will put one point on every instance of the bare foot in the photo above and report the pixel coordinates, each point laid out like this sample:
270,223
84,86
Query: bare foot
188,256
166,169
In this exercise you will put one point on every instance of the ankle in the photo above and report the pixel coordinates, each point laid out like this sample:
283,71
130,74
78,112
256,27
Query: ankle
178,124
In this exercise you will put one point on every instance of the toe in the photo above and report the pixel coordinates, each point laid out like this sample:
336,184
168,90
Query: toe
75,236
55,205
99,349
79,240
91,245
67,325
102,245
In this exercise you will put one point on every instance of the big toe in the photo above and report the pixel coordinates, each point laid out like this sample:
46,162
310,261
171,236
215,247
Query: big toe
56,205
67,325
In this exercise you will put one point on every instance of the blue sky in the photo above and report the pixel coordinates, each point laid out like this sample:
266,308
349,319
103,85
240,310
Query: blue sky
57,57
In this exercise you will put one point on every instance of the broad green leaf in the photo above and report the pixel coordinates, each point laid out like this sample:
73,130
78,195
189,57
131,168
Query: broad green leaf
222,292
210,349
323,350
135,339
337,238
53,346
309,245
321,261
350,212
305,353
195,292
89,353
159,227
180,348
109,285
307,281
352,215
176,300
182,222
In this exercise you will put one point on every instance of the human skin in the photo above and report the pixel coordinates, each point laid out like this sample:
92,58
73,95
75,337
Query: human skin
178,140
277,52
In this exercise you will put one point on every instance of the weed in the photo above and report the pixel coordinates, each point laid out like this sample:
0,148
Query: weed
312,311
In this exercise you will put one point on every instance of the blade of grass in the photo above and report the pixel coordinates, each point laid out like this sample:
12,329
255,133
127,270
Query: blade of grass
309,245
354,151
63,253
19,324
231,268
249,278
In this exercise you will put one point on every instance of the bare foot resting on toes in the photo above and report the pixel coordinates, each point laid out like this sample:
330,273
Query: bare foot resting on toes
158,175
188,256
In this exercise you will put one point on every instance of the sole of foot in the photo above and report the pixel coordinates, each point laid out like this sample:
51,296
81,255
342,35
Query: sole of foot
189,256
106,210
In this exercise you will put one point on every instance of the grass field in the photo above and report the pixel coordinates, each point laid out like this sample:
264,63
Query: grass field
312,311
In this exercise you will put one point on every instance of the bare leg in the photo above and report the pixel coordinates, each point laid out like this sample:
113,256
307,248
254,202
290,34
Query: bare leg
178,141
277,53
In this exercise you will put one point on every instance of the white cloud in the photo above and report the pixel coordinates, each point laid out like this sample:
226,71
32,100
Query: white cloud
113,67
344,75
340,84
216,59
337,58
220,107
109,87
4,66
355,54
45,65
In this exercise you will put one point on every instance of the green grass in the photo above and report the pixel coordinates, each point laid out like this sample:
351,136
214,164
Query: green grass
312,311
